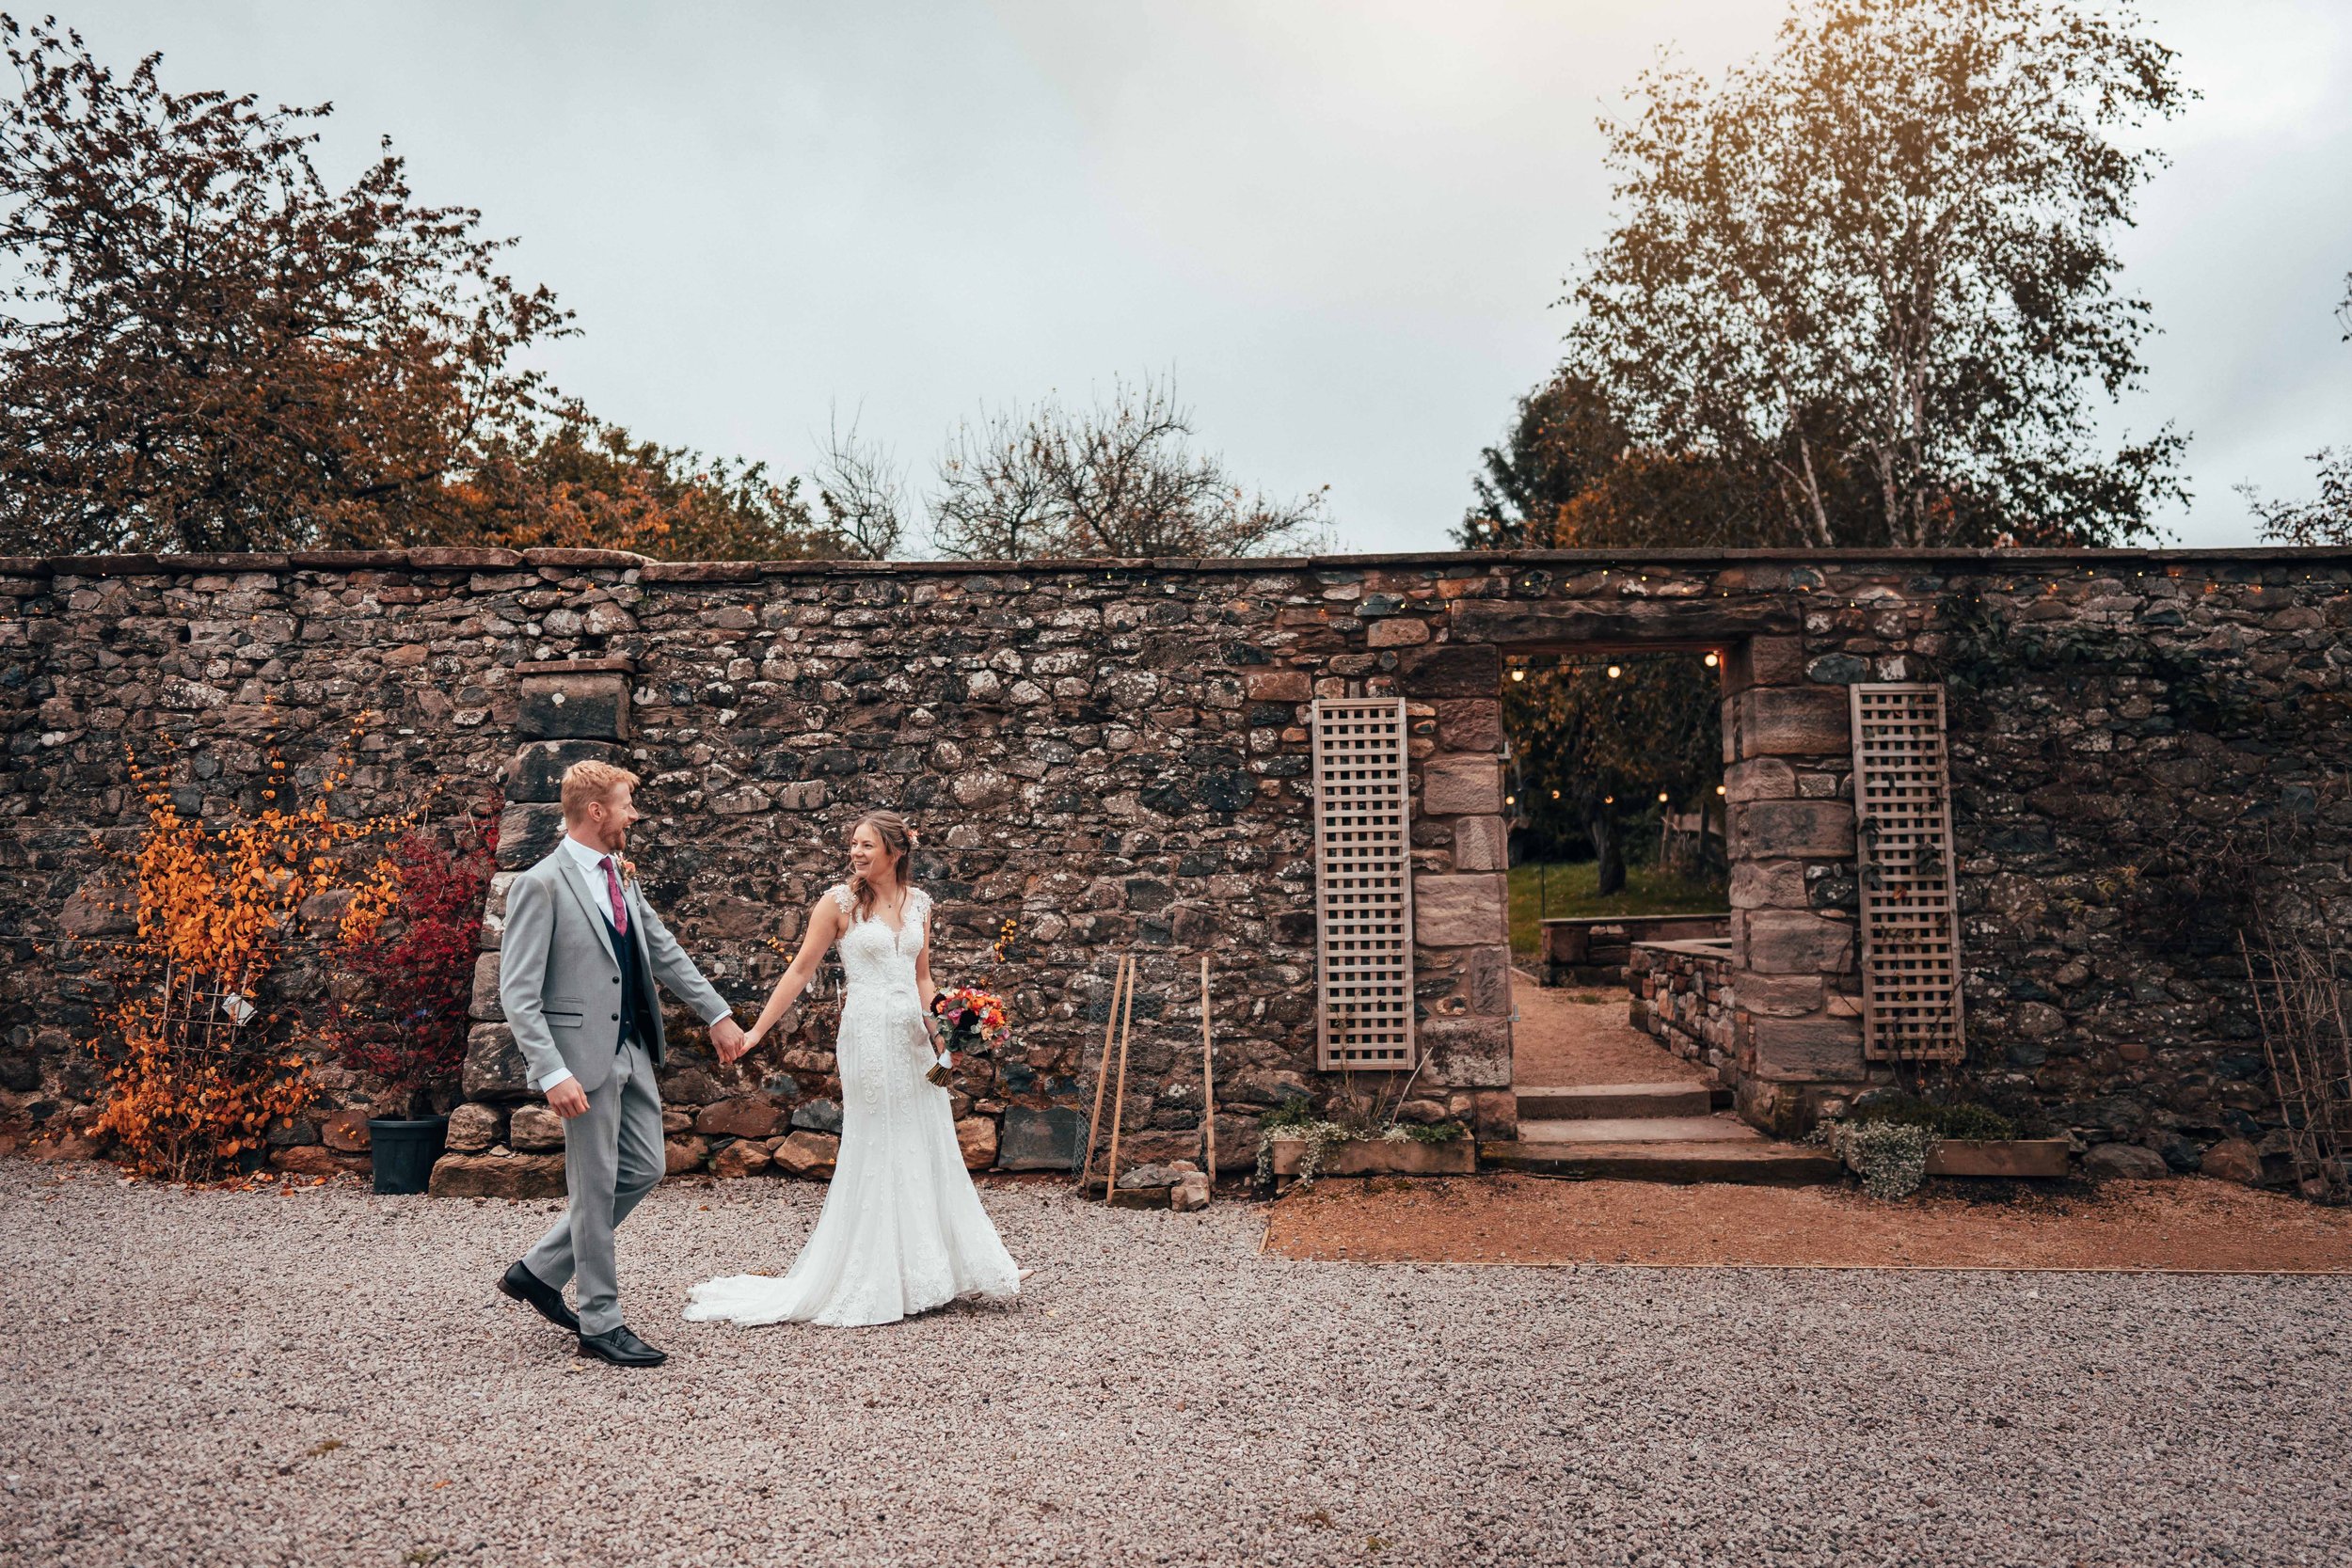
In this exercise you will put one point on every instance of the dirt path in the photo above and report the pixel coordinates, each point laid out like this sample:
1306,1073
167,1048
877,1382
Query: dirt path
1569,1035
2191,1224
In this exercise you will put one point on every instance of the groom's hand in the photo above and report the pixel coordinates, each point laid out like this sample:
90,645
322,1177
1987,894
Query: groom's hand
566,1101
728,1036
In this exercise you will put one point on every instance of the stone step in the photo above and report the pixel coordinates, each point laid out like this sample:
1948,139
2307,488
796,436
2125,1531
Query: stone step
1599,1101
1759,1163
1641,1130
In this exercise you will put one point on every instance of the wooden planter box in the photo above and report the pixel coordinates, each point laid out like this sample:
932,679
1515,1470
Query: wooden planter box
2010,1157
1383,1157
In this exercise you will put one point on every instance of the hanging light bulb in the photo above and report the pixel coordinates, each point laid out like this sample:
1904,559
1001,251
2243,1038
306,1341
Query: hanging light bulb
1719,789
1510,800
1517,673
1661,796
1713,659
1609,800
1614,672
1555,795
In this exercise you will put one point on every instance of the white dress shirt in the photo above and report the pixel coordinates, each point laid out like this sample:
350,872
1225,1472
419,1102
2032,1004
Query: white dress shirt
591,863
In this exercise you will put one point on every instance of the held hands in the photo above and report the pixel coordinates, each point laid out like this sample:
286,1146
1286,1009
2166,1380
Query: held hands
731,1040
567,1099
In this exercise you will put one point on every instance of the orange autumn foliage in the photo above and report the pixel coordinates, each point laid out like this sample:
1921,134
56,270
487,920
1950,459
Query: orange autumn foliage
205,1065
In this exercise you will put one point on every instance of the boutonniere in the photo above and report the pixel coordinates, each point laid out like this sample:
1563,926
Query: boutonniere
629,869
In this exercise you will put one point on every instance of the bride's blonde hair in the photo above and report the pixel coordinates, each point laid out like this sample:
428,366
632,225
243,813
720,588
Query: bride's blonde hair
897,837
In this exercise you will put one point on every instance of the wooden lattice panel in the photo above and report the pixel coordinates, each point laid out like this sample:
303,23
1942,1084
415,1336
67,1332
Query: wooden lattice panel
1363,884
1910,922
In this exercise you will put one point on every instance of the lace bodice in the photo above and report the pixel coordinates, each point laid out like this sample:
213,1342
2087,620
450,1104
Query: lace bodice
874,955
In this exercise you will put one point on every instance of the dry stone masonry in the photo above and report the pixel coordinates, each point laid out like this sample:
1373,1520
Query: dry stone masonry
1116,755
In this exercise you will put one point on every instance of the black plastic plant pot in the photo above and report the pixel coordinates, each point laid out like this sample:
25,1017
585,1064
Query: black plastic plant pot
404,1152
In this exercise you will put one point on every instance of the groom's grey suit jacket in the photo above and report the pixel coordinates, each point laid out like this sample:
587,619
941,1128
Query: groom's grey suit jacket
560,976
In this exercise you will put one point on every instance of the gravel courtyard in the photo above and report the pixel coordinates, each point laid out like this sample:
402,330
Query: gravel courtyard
326,1377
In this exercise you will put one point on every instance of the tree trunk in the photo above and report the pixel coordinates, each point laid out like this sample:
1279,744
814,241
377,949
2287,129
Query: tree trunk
1601,824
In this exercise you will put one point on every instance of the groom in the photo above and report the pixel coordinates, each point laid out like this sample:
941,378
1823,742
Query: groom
577,968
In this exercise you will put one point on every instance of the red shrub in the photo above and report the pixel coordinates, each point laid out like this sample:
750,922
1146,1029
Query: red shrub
407,952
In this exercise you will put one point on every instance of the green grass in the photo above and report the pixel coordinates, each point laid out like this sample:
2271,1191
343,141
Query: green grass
1566,891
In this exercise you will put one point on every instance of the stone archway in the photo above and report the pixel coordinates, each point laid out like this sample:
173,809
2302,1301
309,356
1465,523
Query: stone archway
1791,838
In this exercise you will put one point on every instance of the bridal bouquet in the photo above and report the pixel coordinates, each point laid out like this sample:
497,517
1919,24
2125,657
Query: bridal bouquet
971,1015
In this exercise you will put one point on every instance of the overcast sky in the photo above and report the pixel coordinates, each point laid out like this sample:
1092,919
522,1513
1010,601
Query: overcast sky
1342,225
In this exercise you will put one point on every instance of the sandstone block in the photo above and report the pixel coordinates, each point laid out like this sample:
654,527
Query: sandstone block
2235,1160
808,1155
528,833
740,1158
1765,661
1451,670
497,1175
749,1115
1480,845
1779,995
590,706
1819,1049
977,1138
1820,830
2126,1162
1279,685
1792,721
682,1155
1760,779
1190,1193
309,1160
534,1129
1471,724
1466,1052
1460,911
1399,632
536,774
1790,941
1768,885
345,1131
484,1003
473,1128
494,1068
1461,783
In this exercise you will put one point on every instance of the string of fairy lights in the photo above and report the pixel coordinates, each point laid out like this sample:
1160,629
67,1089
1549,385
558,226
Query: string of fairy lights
1615,669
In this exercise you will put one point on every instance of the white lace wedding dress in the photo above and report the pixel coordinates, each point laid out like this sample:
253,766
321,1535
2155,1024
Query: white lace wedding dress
902,1229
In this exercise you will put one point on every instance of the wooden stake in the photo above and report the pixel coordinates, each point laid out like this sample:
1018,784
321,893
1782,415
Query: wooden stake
1208,1076
1119,1095
1103,1072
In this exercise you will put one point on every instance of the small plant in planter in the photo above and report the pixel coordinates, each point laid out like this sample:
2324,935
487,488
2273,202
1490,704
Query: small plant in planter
407,946
1295,1122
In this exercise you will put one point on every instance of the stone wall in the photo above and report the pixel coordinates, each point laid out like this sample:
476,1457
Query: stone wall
1683,996
1116,754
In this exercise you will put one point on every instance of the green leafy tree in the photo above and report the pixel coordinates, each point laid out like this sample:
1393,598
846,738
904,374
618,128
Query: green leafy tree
1872,278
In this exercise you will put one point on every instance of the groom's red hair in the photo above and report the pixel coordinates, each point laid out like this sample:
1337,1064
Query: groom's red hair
586,783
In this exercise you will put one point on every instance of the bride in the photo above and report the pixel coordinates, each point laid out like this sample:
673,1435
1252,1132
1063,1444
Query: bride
902,1229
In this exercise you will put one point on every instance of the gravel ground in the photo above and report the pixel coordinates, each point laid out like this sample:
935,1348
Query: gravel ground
326,1377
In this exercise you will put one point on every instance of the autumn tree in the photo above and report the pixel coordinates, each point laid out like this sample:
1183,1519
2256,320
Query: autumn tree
1119,478
207,347
1872,278
2326,519
578,484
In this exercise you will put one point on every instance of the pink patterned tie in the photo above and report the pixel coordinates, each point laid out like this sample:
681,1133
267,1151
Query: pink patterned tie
613,886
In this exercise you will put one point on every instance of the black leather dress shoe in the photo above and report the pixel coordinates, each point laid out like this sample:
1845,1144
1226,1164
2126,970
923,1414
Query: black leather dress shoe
520,1284
622,1347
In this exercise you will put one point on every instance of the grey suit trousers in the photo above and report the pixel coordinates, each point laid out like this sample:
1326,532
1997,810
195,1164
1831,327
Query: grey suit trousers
613,1156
